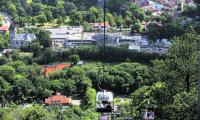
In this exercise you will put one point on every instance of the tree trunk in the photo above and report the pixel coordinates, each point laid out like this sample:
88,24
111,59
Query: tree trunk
2,101
187,80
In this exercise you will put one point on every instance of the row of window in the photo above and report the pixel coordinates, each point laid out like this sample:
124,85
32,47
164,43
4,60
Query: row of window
21,43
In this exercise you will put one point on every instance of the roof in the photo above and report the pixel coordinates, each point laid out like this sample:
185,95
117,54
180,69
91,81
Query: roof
4,28
64,31
134,47
57,98
104,95
24,37
100,24
7,51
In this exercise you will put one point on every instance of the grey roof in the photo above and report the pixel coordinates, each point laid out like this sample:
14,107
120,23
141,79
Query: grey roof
24,37
62,32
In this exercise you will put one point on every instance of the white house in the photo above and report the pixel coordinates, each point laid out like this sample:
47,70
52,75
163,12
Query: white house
69,36
78,39
19,40
61,36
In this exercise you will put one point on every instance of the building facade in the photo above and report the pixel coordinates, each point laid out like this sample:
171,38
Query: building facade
69,36
19,40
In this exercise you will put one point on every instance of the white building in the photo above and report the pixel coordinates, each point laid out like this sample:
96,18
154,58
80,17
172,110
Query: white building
58,36
68,36
134,47
79,39
19,40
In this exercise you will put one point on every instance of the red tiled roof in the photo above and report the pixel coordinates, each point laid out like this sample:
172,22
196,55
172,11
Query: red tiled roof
58,99
100,24
4,28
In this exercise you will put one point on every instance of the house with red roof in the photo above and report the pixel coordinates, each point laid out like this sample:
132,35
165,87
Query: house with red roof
100,26
58,99
4,29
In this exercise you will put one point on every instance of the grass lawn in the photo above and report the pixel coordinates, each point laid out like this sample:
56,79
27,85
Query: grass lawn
23,54
121,101
53,23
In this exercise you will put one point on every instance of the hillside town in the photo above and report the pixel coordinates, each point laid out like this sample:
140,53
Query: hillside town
71,36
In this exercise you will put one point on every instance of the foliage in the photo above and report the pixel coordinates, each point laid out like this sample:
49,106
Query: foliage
74,59
90,97
25,113
44,38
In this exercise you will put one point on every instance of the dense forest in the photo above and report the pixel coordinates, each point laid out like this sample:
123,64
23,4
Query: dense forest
41,11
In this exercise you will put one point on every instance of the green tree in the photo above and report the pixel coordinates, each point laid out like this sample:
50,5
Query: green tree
87,26
60,21
153,32
184,55
44,38
3,60
12,9
49,15
56,85
94,11
41,18
119,21
69,7
128,21
111,19
147,97
35,48
7,72
90,97
5,87
136,27
183,107
34,113
74,59
137,13
22,88
1,20
2,43
76,16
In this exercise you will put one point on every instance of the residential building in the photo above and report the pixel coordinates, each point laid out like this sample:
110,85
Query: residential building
19,40
79,39
58,36
134,47
58,99
69,36
4,29
5,51
100,26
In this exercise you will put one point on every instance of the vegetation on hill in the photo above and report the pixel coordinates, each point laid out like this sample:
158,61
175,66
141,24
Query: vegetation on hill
165,83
